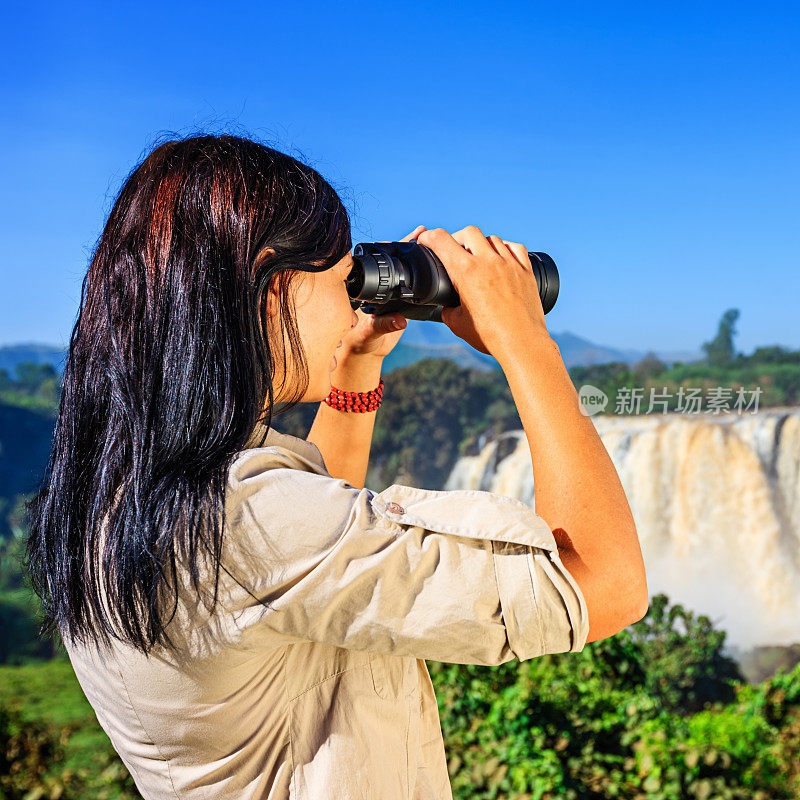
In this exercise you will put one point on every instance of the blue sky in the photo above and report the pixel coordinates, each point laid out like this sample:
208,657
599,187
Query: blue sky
652,149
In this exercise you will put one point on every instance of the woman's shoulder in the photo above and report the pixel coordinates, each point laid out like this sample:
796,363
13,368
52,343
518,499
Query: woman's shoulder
281,503
268,448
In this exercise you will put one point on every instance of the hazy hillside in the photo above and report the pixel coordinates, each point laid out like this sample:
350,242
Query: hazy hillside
464,356
430,339
420,340
25,438
11,355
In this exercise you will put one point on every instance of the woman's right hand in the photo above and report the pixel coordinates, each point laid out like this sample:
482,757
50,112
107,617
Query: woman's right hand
495,282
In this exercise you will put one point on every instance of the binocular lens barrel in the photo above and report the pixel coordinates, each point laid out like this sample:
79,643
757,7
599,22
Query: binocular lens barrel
409,278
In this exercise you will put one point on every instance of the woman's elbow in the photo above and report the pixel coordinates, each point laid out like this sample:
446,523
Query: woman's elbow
612,611
642,608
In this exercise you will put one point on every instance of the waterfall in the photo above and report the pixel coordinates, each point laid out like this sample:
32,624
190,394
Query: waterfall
716,500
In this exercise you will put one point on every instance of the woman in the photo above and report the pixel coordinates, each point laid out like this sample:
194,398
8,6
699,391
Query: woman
247,620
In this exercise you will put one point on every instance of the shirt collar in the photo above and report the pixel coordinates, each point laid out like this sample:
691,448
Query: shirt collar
303,448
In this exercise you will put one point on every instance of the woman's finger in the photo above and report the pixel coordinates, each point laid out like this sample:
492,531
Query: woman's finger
413,235
472,239
449,250
499,245
520,253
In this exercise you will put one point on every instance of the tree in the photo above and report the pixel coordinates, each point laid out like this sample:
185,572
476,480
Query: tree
649,366
684,659
719,350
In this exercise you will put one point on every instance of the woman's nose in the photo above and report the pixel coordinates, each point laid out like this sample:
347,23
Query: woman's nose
355,319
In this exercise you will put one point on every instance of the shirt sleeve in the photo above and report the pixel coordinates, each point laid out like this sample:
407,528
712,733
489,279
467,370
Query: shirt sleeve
460,576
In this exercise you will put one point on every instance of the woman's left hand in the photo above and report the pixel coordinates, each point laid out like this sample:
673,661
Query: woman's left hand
376,335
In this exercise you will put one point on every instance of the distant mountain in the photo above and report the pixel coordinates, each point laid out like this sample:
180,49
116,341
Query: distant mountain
13,354
462,354
579,352
434,339
420,340
429,334
680,356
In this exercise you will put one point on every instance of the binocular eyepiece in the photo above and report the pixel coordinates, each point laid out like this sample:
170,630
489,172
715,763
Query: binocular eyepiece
408,278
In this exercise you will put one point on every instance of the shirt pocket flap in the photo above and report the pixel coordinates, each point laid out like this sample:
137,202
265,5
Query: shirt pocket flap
471,513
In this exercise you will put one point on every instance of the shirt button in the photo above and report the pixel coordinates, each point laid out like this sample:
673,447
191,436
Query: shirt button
394,508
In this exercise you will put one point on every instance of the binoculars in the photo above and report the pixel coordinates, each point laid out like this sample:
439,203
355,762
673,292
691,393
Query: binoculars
409,279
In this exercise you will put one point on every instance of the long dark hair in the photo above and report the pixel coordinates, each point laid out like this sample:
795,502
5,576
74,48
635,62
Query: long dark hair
168,373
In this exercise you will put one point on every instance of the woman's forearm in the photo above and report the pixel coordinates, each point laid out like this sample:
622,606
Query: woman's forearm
344,438
577,488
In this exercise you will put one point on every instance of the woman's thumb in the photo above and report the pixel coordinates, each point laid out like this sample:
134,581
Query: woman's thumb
393,322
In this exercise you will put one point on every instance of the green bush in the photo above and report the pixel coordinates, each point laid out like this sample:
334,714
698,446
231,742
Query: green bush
622,719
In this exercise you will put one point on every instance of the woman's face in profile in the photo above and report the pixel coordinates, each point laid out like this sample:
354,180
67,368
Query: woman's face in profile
324,315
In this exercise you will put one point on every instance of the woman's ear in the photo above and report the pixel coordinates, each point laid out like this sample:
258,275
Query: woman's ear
273,299
265,254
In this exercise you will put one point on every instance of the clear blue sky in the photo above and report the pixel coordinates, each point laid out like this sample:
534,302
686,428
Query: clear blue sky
653,149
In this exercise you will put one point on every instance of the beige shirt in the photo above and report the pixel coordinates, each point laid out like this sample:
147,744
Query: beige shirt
309,680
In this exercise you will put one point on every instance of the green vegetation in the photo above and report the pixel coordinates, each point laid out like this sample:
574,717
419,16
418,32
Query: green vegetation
719,351
775,370
654,712
20,609
51,745
771,372
35,387
28,406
